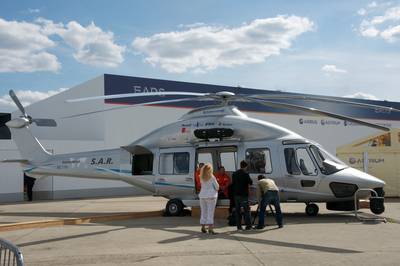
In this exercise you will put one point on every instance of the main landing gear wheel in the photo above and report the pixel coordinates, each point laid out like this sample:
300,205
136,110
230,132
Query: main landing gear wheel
312,209
174,207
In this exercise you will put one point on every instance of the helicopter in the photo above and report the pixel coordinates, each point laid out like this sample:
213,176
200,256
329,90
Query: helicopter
164,161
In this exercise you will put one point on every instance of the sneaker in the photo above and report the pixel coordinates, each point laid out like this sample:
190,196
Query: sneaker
280,226
259,227
249,227
240,228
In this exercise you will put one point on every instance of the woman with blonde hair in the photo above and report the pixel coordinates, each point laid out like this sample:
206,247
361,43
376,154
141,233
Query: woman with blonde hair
208,198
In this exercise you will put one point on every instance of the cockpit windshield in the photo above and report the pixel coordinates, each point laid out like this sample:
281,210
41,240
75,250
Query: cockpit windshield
327,163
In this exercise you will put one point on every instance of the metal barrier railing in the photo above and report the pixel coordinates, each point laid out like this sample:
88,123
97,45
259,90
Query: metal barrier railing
366,219
10,254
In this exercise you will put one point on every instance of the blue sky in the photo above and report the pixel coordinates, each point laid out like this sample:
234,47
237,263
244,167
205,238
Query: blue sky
339,48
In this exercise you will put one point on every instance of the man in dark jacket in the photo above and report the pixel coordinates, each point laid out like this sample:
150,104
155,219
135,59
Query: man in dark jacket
240,184
29,182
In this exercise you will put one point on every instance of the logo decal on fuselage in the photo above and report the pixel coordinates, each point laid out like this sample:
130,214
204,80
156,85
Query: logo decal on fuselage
101,160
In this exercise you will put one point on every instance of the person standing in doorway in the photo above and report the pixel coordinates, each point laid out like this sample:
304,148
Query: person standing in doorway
223,180
197,177
240,185
208,198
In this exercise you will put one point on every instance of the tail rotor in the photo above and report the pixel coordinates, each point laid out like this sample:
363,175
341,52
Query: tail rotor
40,122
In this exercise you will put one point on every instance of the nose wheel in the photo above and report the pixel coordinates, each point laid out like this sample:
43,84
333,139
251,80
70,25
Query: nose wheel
312,209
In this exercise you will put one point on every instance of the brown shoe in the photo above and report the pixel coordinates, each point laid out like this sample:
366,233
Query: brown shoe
212,232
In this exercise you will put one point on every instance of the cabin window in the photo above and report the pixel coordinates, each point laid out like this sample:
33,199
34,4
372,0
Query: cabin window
142,164
204,157
305,162
174,163
228,160
259,160
290,159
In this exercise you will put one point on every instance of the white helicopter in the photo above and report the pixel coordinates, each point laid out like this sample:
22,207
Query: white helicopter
164,161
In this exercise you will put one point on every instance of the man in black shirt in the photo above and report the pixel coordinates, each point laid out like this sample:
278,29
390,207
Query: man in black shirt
240,183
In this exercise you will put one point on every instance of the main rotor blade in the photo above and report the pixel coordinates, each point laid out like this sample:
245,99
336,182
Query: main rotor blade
44,122
141,94
17,102
323,99
138,104
316,111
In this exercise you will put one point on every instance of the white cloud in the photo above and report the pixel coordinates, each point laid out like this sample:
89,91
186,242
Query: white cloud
333,69
391,14
362,95
26,97
391,34
386,26
92,45
369,31
372,4
208,47
362,12
23,48
193,25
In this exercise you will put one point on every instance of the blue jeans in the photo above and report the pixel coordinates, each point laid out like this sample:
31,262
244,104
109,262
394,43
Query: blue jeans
270,197
242,202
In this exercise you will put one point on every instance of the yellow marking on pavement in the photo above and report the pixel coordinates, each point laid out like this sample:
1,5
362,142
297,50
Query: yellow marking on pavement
81,220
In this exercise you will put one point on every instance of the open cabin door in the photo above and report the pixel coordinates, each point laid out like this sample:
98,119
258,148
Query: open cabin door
175,172
142,160
225,156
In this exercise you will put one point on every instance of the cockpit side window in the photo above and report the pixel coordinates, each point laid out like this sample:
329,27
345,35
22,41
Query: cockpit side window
305,162
327,163
290,159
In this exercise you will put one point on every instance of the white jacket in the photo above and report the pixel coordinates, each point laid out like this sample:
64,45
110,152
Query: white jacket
209,189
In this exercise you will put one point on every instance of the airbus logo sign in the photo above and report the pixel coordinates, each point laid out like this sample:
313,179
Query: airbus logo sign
308,121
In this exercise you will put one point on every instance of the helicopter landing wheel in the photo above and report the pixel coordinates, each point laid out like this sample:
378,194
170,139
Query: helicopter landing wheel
174,207
312,209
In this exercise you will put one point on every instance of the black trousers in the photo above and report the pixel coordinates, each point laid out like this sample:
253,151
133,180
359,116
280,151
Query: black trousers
29,182
242,203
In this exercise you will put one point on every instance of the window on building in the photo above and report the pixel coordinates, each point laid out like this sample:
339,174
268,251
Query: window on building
259,160
380,141
4,130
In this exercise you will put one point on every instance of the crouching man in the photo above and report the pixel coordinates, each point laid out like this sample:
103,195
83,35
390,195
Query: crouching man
268,193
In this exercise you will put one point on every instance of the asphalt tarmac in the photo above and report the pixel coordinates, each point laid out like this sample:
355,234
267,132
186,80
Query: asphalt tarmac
331,238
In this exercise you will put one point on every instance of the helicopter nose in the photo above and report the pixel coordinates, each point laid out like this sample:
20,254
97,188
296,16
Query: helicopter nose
369,180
